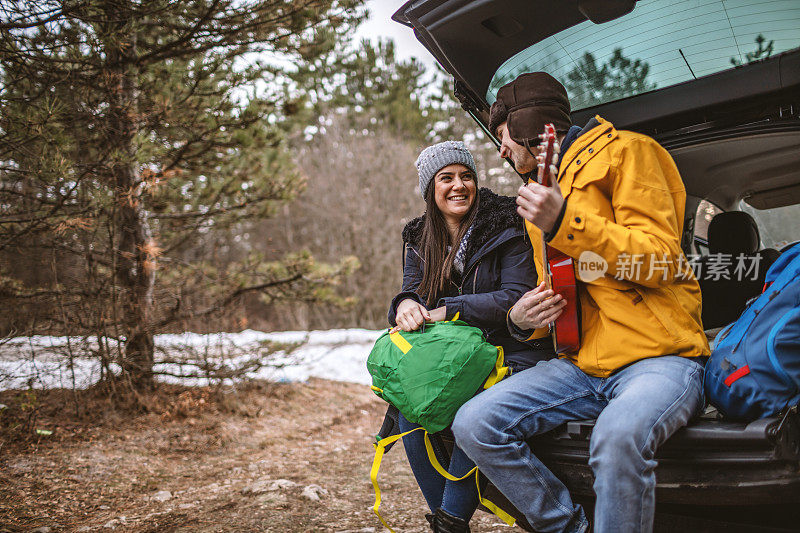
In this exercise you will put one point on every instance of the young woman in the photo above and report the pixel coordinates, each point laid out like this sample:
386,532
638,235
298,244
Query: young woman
468,255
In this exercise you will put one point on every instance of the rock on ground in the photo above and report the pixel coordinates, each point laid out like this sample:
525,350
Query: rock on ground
280,484
115,523
265,485
161,496
313,492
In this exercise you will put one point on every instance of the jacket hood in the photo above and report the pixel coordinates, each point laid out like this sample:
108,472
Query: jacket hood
495,214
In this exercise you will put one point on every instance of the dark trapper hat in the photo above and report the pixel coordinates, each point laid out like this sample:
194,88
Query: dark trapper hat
527,104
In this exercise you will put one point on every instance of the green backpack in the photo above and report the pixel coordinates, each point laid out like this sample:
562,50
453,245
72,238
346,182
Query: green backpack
429,373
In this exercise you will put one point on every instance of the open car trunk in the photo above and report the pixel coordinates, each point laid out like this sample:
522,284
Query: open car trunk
734,133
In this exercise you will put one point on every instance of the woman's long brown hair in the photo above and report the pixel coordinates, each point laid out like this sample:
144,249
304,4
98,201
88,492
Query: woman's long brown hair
438,267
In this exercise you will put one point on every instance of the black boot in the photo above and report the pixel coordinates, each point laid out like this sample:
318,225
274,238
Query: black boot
444,522
429,518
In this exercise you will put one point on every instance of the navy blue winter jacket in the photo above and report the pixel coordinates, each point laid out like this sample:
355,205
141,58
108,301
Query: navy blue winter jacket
498,270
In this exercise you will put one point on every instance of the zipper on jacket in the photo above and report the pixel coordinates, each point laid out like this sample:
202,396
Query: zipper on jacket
563,172
474,279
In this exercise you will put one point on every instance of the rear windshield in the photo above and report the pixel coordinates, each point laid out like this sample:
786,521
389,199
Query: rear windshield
660,43
778,226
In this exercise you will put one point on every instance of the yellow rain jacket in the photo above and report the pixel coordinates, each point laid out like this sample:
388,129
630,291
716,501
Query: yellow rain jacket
625,203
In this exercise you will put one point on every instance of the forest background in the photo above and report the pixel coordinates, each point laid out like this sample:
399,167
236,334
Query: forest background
216,165
206,166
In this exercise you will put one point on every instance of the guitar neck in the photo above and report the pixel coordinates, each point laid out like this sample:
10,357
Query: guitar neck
548,149
560,275
546,265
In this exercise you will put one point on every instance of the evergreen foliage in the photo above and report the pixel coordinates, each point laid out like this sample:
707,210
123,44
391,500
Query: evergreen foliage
136,138
589,84
761,51
371,88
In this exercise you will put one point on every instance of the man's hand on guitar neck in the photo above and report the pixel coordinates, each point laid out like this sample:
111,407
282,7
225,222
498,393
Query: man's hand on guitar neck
537,308
540,204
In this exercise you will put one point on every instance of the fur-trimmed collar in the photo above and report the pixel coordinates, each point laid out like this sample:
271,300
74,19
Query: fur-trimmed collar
495,214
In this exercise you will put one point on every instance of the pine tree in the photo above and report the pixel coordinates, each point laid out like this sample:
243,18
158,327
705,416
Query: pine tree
368,86
134,133
619,77
761,51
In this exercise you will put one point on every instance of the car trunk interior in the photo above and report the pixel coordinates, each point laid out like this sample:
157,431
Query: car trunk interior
761,166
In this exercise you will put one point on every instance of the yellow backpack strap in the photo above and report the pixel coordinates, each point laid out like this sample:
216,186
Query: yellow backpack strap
499,513
380,449
502,515
499,371
400,342
435,463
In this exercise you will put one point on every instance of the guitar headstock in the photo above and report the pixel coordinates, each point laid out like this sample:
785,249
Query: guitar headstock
547,147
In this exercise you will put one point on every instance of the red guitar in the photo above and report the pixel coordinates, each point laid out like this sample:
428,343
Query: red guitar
559,270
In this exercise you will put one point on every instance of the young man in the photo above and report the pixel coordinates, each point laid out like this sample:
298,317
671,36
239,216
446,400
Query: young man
617,196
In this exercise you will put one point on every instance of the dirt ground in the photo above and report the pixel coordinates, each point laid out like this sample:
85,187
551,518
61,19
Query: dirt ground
218,454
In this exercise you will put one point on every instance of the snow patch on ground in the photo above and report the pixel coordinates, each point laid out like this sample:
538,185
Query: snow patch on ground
338,354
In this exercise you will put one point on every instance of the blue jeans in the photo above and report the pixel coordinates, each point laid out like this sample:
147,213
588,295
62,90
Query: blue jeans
458,498
637,409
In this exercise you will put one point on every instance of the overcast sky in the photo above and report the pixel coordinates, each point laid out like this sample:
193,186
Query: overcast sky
380,24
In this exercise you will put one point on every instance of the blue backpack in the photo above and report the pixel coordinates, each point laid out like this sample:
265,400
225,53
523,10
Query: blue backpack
754,370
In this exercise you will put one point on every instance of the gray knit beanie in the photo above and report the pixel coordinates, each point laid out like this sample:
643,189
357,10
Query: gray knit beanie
434,158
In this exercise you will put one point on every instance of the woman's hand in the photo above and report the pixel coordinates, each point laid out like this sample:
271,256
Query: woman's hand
537,308
438,314
411,315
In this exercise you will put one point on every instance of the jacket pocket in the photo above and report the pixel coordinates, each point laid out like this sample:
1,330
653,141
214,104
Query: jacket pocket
662,306
594,171
583,185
